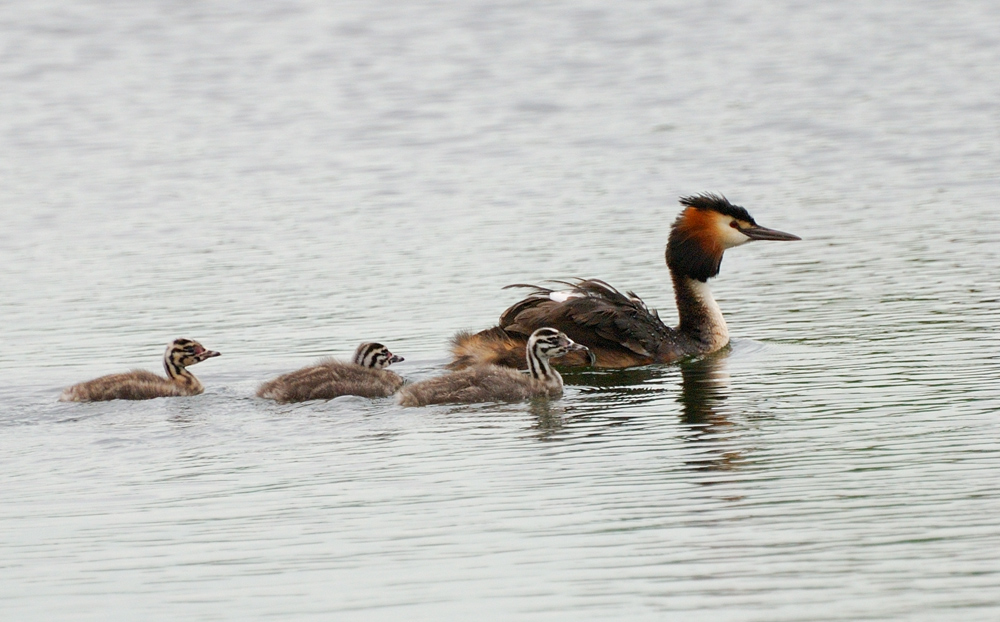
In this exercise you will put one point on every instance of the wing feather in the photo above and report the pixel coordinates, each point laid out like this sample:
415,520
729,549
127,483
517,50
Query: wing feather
594,314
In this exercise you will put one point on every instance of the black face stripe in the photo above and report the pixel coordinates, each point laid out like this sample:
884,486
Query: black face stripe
372,355
545,343
549,342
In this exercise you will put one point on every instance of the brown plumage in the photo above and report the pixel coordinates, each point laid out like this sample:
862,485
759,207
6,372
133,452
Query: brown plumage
493,383
364,376
144,385
618,328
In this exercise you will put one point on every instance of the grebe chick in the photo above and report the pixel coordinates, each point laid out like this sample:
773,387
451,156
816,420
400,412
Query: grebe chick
618,328
144,385
492,383
365,375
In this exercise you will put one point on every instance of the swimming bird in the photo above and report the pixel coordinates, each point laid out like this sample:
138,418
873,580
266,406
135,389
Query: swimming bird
619,329
144,385
365,375
493,383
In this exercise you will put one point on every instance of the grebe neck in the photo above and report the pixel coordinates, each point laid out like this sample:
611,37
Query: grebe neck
700,316
179,374
539,369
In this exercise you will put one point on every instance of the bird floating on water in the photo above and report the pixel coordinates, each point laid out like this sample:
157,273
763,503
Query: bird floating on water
144,385
619,329
493,383
365,375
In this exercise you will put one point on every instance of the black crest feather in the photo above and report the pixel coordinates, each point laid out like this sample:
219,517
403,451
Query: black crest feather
717,203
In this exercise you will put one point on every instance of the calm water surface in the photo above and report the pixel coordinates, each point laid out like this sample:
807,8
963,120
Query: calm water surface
282,180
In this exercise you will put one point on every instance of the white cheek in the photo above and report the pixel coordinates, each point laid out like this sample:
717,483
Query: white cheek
732,236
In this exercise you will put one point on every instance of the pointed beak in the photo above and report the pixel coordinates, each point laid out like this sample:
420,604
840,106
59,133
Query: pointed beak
763,233
395,359
207,354
577,347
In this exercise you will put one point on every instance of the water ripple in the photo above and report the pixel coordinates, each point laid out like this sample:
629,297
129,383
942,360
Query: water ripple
285,181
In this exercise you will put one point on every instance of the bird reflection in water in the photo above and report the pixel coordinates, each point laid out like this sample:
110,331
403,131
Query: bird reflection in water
549,417
622,397
705,411
610,396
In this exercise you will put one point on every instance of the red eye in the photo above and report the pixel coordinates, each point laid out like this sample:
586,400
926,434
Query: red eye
734,225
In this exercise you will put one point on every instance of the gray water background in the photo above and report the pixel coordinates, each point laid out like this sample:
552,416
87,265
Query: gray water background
282,180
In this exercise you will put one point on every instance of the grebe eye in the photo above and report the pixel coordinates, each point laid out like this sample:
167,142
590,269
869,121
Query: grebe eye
734,225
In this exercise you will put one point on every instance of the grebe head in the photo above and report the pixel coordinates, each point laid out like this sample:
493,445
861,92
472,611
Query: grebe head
374,355
549,343
187,352
708,226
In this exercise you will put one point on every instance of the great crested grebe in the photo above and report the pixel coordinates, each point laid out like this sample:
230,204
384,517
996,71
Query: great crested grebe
619,329
144,385
492,383
365,376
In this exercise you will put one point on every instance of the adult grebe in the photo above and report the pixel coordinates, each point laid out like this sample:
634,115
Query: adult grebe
619,329
144,385
491,383
365,376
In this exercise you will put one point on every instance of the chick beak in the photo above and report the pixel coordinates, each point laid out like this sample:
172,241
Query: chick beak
579,347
